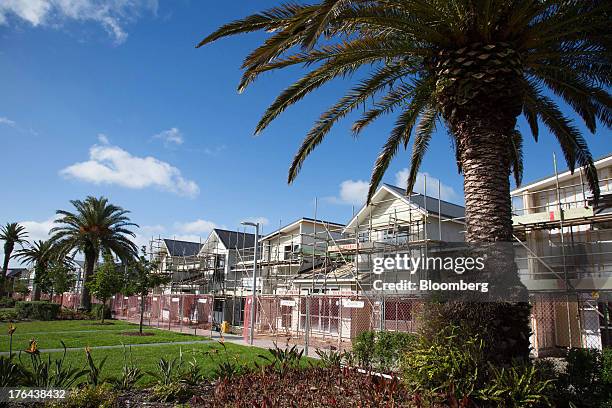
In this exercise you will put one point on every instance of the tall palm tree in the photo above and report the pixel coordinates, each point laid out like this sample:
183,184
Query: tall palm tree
94,226
474,65
11,234
39,255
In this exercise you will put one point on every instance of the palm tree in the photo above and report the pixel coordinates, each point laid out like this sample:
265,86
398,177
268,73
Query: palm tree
11,234
38,254
96,225
475,65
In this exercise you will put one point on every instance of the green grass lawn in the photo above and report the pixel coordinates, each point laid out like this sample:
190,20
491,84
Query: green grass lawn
81,333
146,358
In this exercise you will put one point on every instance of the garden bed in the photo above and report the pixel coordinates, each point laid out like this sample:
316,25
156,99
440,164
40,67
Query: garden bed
297,387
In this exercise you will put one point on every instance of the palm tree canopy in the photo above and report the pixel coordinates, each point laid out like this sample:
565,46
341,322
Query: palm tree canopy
13,233
38,253
432,60
93,226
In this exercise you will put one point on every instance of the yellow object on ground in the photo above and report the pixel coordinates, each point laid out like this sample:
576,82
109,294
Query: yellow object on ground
225,327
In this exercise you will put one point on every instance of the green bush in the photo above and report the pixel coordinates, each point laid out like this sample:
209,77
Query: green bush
389,348
518,386
89,396
585,382
7,302
606,375
96,311
381,350
7,315
446,367
37,310
173,392
363,348
69,314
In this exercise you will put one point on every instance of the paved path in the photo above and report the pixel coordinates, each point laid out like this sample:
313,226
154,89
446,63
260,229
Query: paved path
230,338
35,333
169,343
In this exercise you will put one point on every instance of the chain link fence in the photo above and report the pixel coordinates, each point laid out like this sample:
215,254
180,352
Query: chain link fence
333,321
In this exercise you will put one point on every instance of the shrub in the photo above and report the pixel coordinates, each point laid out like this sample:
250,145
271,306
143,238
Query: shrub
363,348
282,359
389,348
584,382
168,371
11,374
37,310
172,392
444,367
70,314
500,325
101,396
331,358
130,373
226,365
47,374
7,302
381,350
8,315
516,387
96,311
606,375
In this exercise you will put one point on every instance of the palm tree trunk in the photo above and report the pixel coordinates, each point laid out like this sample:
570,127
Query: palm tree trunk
90,262
484,146
8,249
36,292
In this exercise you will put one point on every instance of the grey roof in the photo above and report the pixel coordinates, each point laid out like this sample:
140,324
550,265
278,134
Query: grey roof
318,221
182,248
13,272
235,239
561,171
448,210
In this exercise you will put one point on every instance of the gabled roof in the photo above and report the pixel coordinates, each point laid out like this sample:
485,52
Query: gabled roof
235,239
182,248
297,222
552,179
13,272
447,210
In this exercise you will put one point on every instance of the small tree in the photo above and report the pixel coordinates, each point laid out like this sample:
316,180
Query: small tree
107,281
143,276
60,278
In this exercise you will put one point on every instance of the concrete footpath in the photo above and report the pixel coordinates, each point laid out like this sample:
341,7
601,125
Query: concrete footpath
227,337
115,346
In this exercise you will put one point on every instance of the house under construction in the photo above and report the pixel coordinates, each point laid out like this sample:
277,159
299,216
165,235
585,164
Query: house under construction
315,278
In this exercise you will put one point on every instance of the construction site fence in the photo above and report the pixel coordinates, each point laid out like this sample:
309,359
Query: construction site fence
558,321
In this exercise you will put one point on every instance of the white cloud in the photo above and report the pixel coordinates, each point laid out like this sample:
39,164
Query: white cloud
352,192
260,220
170,136
8,122
38,230
103,139
112,165
198,226
145,233
112,15
447,193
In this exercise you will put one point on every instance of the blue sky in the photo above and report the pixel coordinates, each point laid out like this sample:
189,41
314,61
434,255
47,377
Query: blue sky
85,88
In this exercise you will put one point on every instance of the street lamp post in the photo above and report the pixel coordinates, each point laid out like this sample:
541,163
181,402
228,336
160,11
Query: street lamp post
254,296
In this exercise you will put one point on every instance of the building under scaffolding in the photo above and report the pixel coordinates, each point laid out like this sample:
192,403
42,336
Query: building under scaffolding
314,278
